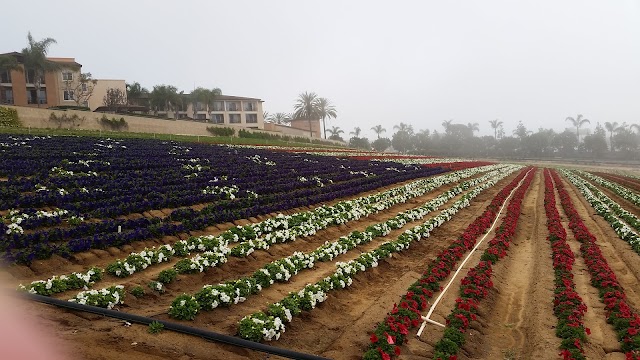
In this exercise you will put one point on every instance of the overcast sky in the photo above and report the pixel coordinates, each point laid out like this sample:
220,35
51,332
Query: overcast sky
418,62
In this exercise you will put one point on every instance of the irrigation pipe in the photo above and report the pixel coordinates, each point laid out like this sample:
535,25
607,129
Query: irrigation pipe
427,319
209,335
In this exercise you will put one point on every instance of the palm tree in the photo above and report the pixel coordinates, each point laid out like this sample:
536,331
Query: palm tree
135,93
305,108
164,97
200,96
611,128
473,127
495,124
578,121
378,129
446,124
8,63
325,110
35,60
356,132
402,127
335,133
279,118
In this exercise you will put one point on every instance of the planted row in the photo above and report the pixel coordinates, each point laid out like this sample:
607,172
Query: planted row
415,300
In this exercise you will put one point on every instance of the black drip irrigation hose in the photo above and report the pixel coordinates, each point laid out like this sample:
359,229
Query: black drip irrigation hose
209,335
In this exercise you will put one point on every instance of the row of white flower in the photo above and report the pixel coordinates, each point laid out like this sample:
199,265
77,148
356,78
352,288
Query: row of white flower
323,217
58,284
270,326
16,217
215,248
281,270
616,188
139,261
212,296
105,298
620,219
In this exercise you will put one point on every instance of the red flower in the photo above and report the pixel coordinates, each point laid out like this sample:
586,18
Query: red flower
385,356
588,331
396,350
453,357
373,338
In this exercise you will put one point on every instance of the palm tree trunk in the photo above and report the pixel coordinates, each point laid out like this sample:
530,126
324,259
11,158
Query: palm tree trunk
324,130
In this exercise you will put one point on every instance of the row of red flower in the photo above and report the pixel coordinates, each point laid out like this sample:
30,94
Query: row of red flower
568,306
475,286
625,320
394,329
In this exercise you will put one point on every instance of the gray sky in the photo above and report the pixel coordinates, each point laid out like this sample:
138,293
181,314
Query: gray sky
418,62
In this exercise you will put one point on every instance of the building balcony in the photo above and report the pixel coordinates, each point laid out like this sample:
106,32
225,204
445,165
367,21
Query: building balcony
6,101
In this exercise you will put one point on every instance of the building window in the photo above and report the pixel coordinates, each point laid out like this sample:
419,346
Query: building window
8,96
233,106
68,95
67,76
84,86
250,106
217,118
5,77
43,96
201,116
234,119
218,106
252,118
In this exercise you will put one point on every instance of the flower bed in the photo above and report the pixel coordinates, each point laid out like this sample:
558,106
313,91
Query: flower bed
622,221
94,179
621,316
475,286
281,270
568,306
308,297
415,300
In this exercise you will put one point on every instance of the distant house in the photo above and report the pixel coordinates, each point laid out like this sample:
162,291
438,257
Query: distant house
18,88
227,110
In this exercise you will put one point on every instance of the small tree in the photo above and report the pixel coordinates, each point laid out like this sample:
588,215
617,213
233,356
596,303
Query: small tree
81,90
114,99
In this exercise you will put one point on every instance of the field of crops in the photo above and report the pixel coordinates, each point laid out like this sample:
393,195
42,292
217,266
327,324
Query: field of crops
336,253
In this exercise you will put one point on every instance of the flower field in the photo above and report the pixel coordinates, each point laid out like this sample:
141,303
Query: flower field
336,253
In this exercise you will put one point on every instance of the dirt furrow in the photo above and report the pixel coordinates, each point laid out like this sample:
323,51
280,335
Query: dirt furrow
516,322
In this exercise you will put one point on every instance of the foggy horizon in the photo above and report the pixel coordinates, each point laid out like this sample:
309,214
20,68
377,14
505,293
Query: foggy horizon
379,64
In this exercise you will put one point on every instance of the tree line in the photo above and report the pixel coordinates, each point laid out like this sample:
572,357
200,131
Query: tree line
611,141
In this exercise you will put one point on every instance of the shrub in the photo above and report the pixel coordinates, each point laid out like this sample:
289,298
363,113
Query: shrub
9,117
66,120
137,291
155,327
167,276
113,123
221,131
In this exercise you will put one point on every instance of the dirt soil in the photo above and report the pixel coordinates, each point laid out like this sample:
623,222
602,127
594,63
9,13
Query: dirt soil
516,321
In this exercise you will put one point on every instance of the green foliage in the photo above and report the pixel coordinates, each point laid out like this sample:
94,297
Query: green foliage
9,117
167,276
184,307
381,144
137,291
113,123
66,120
70,107
155,327
221,131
